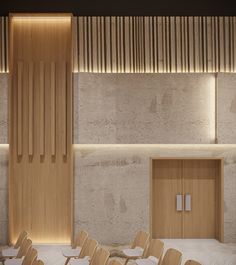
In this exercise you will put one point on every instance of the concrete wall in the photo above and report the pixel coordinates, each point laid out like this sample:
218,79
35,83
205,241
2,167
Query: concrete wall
112,181
227,108
3,108
112,187
3,194
144,108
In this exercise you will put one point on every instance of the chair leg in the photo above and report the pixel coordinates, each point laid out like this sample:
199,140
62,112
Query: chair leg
67,261
126,261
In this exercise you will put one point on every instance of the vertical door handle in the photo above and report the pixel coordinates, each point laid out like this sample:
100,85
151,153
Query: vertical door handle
188,202
179,203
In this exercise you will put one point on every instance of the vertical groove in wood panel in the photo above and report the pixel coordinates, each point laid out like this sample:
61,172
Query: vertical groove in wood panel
31,110
19,108
42,109
147,44
76,44
53,107
63,117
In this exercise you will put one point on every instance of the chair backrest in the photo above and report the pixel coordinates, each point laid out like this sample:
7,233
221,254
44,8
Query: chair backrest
192,262
100,257
30,256
20,239
88,248
141,240
115,262
38,262
24,248
155,248
172,257
81,238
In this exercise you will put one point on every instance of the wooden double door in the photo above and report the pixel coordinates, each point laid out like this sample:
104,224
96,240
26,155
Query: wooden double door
187,198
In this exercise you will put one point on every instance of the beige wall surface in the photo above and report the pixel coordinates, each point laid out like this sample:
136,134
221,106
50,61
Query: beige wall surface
3,108
144,108
227,108
112,181
3,194
112,187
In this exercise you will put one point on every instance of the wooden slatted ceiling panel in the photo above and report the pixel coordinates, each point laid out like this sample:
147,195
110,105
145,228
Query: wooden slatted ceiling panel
155,44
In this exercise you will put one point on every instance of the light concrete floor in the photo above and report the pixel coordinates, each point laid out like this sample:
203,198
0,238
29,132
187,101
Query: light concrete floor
207,252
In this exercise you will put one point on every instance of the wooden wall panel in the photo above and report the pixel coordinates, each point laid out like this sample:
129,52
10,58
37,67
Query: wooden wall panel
40,169
147,44
156,44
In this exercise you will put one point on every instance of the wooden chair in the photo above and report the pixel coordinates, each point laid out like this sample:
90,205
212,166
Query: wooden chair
38,262
152,254
192,262
172,257
29,258
74,251
87,252
12,251
137,247
20,239
115,262
24,248
100,257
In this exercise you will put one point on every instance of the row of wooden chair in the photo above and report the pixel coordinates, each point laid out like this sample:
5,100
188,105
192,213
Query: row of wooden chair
150,252
22,253
143,250
85,251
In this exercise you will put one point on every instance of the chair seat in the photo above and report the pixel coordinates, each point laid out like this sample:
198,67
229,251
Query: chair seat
133,252
9,252
148,261
13,262
84,261
72,252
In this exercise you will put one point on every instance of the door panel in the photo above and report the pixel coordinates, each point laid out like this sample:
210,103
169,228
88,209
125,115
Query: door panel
199,180
167,183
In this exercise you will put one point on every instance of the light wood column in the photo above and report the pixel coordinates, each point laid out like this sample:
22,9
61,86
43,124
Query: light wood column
41,162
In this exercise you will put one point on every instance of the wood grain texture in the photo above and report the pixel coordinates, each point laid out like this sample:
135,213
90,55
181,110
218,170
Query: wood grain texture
31,111
157,44
202,178
40,182
147,44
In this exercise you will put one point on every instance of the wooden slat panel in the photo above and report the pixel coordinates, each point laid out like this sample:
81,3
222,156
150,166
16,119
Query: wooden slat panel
53,107
138,44
19,108
42,109
45,43
31,110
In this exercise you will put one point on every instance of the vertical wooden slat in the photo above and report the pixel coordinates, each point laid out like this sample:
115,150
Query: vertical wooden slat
221,44
158,52
216,44
155,44
31,110
80,44
53,107
102,44
42,109
19,108
172,45
226,45
76,48
191,44
113,45
234,44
